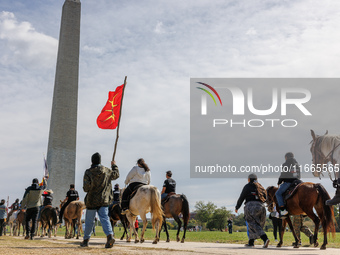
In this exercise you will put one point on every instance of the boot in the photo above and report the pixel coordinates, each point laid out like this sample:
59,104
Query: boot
336,199
85,243
110,241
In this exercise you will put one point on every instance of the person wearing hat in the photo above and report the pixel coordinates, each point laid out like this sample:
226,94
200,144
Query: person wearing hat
47,195
97,184
290,172
254,196
3,215
32,201
169,185
116,194
71,195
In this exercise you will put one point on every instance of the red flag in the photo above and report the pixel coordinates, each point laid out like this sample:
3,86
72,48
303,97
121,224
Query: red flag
108,118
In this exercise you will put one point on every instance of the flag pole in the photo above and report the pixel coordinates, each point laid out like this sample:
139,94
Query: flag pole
120,114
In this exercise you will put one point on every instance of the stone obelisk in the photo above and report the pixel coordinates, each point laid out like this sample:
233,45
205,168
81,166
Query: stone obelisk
61,154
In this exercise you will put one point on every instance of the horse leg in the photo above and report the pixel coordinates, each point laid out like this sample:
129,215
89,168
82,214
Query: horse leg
296,244
179,222
316,221
281,232
145,222
158,226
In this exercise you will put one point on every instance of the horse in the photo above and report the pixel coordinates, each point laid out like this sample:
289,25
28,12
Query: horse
11,221
175,205
307,196
48,218
324,149
73,211
147,199
21,221
115,214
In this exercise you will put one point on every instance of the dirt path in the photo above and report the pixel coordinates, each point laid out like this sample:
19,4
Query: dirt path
59,245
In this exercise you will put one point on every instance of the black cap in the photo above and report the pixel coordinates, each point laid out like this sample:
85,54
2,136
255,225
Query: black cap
96,159
35,180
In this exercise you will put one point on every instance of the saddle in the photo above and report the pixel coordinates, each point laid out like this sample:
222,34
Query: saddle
292,189
166,199
135,191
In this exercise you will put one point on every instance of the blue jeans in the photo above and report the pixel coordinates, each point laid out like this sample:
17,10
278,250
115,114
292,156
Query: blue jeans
283,187
164,195
104,220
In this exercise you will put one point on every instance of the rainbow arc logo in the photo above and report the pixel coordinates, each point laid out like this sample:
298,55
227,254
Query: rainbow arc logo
209,93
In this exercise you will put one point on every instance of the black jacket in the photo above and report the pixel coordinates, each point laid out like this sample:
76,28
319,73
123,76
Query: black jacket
249,193
290,171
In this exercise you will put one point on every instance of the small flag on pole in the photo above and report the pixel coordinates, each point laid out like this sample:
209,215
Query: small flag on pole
109,116
46,174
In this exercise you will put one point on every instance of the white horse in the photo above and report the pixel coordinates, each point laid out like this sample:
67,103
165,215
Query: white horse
11,221
147,199
325,149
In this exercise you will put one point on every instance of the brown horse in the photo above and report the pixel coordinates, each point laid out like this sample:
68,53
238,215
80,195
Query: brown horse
48,218
176,205
115,213
307,196
21,221
73,212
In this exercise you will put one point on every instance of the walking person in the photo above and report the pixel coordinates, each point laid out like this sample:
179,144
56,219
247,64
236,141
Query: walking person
230,225
277,222
97,184
32,201
136,224
297,221
254,196
71,195
138,175
3,215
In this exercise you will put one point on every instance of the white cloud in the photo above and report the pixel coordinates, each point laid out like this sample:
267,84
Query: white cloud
24,45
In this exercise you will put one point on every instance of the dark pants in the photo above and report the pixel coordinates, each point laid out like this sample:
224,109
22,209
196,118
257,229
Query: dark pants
2,224
31,214
277,225
62,209
230,228
127,192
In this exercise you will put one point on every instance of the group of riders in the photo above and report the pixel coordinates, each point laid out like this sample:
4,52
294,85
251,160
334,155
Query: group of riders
255,197
99,199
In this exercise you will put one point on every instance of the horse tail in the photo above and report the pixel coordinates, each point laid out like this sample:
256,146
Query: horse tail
328,217
54,217
156,208
185,210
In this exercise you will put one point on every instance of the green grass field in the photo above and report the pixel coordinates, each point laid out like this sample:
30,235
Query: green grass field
221,237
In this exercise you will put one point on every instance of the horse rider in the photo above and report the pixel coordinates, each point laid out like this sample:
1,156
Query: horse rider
290,172
71,195
47,195
254,210
97,183
169,185
32,202
116,194
3,215
14,207
138,175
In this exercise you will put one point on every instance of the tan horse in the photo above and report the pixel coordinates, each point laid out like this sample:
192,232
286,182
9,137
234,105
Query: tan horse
147,199
72,216
11,221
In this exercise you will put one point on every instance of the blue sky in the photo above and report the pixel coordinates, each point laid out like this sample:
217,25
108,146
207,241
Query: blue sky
159,45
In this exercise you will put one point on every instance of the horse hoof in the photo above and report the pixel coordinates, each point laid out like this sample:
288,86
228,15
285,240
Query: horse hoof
77,237
296,246
154,242
182,241
168,240
177,239
137,241
142,240
279,245
316,244
121,238
323,247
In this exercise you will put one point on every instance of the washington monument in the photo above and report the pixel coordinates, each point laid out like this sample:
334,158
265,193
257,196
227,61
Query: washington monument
61,154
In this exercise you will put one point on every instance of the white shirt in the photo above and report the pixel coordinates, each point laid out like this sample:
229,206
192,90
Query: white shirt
138,174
